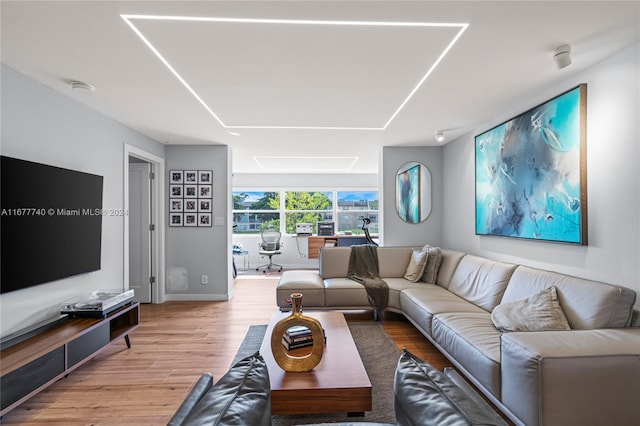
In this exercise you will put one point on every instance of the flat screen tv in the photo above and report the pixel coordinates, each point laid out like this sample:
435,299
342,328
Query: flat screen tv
51,223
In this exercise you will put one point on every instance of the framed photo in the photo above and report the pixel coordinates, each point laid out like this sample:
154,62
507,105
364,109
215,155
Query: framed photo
175,176
191,191
204,219
531,173
205,206
204,191
175,205
190,205
190,176
191,219
175,219
205,177
175,191
408,193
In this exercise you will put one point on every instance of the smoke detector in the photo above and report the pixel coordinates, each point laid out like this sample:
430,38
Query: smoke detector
82,87
562,56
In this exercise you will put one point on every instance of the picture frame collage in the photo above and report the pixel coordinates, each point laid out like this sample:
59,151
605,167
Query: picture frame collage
190,198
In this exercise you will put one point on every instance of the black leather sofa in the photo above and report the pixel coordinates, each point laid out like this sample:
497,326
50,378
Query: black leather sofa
423,396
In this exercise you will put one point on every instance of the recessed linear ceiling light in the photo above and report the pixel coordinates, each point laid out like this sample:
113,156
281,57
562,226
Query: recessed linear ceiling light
302,163
129,18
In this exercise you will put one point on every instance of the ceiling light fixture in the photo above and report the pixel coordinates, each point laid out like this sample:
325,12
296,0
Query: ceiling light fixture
130,18
81,87
439,135
562,56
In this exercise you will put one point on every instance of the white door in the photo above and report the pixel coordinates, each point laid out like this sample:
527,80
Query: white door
140,231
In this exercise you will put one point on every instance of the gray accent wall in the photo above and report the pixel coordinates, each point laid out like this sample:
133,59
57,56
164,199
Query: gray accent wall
192,252
42,125
613,155
396,232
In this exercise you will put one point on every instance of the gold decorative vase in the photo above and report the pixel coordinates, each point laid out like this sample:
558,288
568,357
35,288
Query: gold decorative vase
297,363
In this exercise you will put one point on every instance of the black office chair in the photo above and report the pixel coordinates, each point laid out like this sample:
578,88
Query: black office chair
365,227
270,246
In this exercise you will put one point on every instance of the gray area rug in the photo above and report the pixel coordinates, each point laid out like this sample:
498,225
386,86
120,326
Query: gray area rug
379,356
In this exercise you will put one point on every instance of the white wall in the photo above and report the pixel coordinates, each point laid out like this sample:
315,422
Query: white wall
195,251
41,125
613,155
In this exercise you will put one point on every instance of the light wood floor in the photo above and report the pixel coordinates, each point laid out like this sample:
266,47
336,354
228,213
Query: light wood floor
175,343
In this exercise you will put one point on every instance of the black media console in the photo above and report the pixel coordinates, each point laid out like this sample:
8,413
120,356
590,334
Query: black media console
33,364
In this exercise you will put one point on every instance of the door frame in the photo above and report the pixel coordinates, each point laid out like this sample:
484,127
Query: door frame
157,218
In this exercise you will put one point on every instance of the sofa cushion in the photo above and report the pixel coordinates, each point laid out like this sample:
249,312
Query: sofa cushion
472,340
419,304
241,397
396,287
538,312
343,292
426,396
587,304
434,260
481,281
307,282
393,261
416,265
334,262
448,265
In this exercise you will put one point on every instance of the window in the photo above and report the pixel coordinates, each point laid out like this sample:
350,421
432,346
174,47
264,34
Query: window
307,207
254,211
354,206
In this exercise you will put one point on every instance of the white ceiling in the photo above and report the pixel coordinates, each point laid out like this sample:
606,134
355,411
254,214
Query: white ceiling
308,85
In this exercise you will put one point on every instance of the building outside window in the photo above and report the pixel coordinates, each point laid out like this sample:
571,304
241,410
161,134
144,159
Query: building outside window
353,206
254,211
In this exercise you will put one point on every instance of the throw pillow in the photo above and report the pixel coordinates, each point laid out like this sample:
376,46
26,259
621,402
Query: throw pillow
241,397
433,264
538,312
424,395
416,265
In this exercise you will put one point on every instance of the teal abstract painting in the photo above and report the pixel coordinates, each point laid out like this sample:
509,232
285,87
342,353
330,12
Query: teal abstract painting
531,173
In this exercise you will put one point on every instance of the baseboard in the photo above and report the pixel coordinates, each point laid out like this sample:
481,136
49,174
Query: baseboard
189,297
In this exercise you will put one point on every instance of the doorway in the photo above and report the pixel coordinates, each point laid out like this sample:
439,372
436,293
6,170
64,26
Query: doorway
141,229
143,225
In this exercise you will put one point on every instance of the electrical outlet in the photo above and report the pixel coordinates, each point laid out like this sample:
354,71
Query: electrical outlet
205,279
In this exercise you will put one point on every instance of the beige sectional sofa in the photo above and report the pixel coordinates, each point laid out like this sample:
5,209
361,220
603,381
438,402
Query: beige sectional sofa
587,375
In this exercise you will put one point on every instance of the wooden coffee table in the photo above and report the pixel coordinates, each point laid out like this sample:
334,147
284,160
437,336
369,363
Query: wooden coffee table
338,384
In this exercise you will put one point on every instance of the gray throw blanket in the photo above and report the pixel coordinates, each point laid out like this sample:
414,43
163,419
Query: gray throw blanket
363,268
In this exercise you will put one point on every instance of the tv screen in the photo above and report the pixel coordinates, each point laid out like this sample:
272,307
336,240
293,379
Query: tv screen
51,223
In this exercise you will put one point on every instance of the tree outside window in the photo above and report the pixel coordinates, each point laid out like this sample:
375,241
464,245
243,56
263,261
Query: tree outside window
307,207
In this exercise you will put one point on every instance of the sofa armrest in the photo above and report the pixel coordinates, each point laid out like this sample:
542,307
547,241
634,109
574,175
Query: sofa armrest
202,386
572,377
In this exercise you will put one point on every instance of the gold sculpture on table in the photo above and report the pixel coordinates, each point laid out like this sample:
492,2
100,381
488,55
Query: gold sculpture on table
297,363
